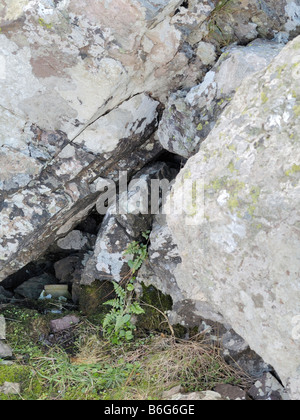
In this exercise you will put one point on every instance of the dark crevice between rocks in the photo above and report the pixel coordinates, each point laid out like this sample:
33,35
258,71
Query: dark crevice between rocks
184,4
61,265
172,160
13,289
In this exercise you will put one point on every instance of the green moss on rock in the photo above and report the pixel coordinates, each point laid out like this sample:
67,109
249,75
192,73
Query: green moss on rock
152,319
31,388
92,297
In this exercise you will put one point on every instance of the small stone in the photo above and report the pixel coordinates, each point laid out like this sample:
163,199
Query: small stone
230,392
207,53
10,388
197,396
2,328
168,394
65,323
5,350
77,241
67,268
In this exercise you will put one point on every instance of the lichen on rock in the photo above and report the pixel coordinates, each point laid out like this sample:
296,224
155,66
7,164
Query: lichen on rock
243,256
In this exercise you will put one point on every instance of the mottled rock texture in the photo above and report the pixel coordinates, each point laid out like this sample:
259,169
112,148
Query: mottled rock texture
83,85
76,81
51,204
108,261
242,256
190,116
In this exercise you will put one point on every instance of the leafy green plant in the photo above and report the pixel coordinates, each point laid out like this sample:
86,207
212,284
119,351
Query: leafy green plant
139,252
117,324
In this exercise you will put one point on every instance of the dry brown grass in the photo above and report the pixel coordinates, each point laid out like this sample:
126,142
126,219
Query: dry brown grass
164,362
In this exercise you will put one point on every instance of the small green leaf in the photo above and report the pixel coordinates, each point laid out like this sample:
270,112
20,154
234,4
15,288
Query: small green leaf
128,335
130,287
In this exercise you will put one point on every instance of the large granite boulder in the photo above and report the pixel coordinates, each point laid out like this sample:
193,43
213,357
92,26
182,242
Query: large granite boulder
239,236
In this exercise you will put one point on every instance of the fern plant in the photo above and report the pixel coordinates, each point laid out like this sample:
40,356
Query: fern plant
118,323
139,252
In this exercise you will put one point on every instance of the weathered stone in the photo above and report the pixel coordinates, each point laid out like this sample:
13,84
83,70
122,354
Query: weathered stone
195,396
268,388
58,325
108,261
33,218
5,350
68,269
119,230
13,388
189,117
207,53
159,271
230,392
2,328
163,259
242,255
73,77
77,241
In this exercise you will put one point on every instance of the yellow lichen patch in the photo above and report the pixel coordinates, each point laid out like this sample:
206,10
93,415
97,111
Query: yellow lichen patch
45,24
264,97
294,169
231,167
297,110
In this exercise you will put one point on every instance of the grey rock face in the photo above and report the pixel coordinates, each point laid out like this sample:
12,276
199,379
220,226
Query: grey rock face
108,261
189,117
77,241
73,77
268,388
119,230
242,255
64,193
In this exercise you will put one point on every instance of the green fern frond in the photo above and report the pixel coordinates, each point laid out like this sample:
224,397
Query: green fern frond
120,292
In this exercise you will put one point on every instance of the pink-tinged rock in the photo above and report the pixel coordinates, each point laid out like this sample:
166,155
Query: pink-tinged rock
65,323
